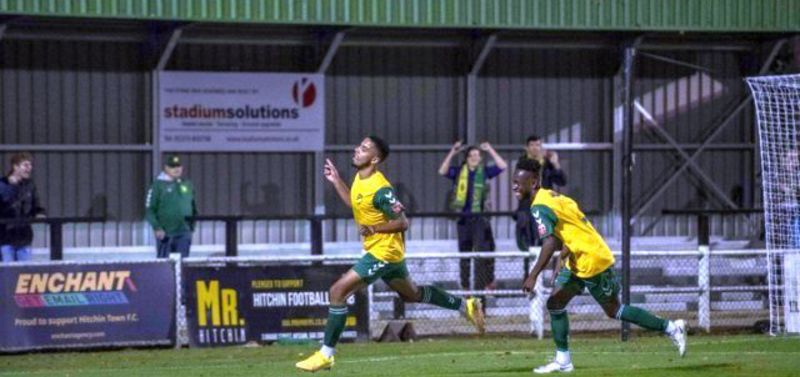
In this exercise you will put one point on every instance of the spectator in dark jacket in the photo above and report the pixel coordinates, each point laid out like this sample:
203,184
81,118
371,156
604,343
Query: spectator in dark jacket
552,178
19,201
552,175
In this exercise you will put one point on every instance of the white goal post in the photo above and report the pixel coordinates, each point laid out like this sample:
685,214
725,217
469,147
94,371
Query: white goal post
777,103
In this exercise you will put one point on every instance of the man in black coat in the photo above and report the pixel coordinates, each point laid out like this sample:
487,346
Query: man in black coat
552,178
19,200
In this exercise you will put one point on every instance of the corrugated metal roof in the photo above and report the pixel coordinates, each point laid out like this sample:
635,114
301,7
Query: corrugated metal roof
621,15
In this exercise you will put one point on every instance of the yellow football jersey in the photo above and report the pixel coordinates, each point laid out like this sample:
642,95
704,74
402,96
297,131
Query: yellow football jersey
559,215
374,202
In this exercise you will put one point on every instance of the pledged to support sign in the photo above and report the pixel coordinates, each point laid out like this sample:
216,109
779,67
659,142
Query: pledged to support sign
234,305
62,305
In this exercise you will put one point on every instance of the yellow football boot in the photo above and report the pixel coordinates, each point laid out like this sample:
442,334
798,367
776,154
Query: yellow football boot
475,314
315,362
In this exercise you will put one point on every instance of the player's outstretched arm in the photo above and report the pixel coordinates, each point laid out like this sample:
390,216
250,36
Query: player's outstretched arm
332,175
549,246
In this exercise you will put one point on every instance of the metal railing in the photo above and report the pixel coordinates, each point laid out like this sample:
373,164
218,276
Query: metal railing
319,229
703,217
316,225
135,238
55,227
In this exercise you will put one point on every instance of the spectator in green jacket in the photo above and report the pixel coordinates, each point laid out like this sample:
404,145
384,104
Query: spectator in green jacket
170,208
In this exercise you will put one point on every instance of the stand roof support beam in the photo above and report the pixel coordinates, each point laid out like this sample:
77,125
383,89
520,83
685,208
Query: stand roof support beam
716,131
331,52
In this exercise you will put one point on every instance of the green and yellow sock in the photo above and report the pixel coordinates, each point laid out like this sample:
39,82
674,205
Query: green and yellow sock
641,317
559,324
435,296
337,318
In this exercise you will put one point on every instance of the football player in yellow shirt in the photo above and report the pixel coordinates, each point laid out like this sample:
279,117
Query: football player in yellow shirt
587,264
381,221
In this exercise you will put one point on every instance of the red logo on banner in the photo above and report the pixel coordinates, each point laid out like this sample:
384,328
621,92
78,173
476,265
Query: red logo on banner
304,92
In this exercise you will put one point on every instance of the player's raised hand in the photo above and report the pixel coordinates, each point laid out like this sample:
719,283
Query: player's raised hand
330,171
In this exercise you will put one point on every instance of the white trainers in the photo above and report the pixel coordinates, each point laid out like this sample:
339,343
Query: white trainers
678,336
554,366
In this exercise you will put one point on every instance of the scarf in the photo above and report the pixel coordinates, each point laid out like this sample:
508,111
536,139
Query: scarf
462,185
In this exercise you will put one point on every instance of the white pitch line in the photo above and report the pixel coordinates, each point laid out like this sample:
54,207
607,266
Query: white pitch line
442,354
529,353
356,360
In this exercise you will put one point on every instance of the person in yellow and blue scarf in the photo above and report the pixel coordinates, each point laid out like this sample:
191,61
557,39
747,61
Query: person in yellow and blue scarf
469,197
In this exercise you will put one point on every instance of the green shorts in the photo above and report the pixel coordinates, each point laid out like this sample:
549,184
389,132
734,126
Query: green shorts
604,286
371,269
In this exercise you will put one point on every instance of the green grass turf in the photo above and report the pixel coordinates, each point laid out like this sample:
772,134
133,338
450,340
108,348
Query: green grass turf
739,355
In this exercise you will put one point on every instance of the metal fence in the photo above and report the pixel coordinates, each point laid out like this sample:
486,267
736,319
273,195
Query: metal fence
302,234
125,234
711,289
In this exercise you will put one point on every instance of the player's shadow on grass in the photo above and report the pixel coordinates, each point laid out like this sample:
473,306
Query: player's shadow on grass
496,371
710,367
715,367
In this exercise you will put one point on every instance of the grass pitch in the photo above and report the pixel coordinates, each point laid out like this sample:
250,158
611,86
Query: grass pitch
740,355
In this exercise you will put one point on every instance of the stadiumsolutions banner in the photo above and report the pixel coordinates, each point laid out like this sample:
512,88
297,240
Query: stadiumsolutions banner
235,305
213,111
51,306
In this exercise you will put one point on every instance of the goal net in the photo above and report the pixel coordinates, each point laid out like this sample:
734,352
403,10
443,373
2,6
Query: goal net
777,102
